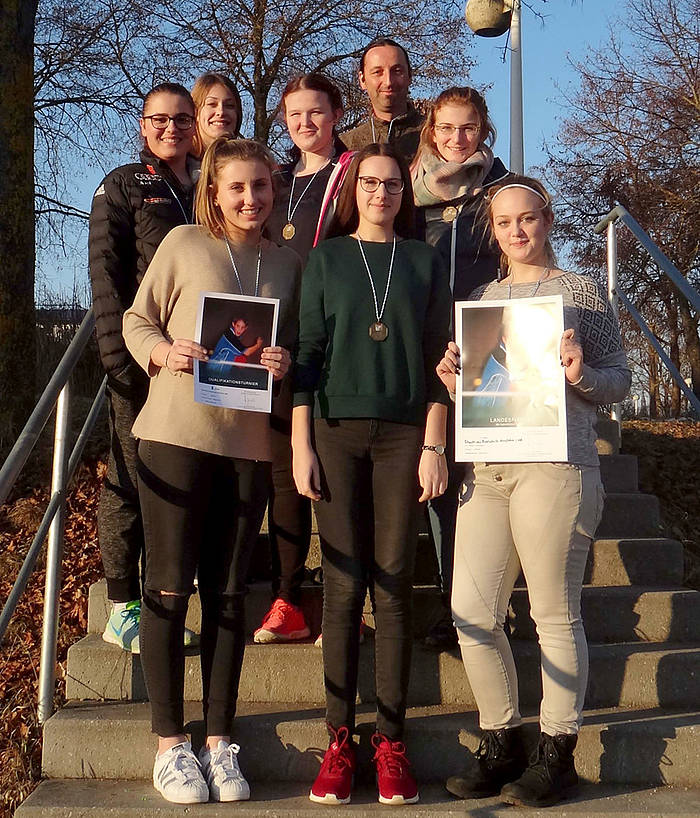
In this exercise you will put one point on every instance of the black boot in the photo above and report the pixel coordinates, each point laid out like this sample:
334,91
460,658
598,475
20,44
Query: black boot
550,776
501,758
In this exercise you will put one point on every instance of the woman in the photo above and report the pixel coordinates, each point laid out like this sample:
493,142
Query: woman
375,306
204,470
306,186
540,517
132,211
219,110
453,166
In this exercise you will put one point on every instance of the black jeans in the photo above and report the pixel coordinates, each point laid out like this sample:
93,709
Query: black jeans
201,512
289,523
368,524
119,526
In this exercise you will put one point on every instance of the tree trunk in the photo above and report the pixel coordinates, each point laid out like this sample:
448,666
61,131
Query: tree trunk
654,392
689,326
17,321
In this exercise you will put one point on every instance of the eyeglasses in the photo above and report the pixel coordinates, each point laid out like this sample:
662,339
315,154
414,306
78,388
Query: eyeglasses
183,122
450,130
370,184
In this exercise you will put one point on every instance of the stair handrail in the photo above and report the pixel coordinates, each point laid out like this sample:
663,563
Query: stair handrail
56,393
609,223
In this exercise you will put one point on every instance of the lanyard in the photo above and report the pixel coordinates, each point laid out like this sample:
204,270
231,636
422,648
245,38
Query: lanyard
235,269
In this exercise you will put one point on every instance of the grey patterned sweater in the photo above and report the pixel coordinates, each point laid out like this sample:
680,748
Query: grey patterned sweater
606,376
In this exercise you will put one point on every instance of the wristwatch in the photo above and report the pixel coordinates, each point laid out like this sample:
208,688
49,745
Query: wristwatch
439,449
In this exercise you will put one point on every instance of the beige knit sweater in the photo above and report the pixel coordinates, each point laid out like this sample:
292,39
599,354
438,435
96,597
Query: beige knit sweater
188,262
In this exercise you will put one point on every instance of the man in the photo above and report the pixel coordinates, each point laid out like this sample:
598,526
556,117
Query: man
385,74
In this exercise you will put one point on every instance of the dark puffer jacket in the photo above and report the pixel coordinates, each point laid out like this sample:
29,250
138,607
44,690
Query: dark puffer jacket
474,262
133,210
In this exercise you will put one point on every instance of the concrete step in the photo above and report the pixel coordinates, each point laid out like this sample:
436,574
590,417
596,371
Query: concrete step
113,741
619,473
630,515
66,798
630,675
652,562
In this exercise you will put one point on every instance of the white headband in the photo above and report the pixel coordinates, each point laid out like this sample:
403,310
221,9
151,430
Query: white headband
524,187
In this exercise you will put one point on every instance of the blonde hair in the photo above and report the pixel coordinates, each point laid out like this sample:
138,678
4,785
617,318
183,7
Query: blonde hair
222,151
457,96
203,84
486,214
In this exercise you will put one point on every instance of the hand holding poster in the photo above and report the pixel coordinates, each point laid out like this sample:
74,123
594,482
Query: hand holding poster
237,328
511,396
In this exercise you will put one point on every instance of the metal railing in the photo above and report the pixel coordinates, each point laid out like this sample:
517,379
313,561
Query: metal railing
609,222
57,393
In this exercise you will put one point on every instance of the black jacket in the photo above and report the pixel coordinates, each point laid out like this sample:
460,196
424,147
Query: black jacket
132,211
476,262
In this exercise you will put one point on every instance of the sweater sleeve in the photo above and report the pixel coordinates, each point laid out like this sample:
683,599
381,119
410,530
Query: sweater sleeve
146,320
606,377
112,256
436,332
313,336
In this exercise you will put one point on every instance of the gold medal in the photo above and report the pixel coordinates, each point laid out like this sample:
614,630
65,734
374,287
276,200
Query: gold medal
378,331
449,214
288,231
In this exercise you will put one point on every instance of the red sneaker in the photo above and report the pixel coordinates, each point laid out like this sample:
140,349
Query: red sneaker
333,783
284,622
395,782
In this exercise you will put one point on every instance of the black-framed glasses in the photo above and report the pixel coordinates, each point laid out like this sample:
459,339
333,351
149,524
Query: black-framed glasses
183,122
370,184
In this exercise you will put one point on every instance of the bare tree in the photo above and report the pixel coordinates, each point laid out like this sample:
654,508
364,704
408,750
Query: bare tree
632,137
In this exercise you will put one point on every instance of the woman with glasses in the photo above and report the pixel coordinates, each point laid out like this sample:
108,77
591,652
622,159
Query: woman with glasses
368,437
218,110
133,209
312,107
453,166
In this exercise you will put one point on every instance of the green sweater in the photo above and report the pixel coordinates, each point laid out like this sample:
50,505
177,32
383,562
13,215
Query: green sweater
340,370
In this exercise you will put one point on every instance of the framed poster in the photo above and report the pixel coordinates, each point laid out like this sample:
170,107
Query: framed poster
236,328
511,389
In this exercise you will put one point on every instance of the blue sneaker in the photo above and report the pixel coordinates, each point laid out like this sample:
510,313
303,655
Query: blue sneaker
122,627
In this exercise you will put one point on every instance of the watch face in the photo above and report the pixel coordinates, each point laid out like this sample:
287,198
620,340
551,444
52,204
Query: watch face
439,449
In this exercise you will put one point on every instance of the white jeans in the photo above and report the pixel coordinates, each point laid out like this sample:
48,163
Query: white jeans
541,516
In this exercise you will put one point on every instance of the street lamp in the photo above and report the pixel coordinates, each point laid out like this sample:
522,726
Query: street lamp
491,18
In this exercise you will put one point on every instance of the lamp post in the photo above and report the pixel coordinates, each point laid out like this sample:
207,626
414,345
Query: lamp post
492,18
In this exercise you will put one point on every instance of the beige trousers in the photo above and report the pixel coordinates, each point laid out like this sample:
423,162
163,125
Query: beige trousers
541,517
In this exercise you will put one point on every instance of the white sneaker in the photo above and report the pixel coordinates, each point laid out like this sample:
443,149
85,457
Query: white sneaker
224,776
178,777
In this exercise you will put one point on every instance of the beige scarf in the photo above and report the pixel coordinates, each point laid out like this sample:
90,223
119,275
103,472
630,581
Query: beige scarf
436,181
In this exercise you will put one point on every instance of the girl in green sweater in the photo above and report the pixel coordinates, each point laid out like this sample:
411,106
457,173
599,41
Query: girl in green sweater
368,429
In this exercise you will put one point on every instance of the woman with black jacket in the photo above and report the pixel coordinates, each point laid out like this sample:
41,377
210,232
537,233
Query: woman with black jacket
452,168
133,209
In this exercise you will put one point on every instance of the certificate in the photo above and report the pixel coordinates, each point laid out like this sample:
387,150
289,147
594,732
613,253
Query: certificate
236,328
511,388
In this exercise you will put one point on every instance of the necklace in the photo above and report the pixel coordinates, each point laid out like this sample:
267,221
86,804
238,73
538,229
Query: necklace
544,275
289,231
235,269
378,331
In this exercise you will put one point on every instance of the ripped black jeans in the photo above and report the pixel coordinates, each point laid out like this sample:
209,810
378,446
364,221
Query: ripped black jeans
201,514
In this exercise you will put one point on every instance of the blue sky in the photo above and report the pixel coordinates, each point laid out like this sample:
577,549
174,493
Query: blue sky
568,30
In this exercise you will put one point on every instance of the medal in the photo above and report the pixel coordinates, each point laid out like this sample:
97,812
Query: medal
449,214
288,231
378,331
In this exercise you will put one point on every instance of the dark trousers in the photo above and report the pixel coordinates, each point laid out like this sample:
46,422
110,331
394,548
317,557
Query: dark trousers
201,513
119,526
289,523
367,522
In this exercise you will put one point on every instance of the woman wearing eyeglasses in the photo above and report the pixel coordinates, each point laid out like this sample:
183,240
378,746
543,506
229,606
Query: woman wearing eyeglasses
133,209
368,436
453,166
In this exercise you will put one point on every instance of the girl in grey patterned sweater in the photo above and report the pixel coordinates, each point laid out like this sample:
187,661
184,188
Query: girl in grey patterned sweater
538,517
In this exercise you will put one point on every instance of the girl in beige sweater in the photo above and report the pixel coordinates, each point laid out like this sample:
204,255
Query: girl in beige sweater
204,470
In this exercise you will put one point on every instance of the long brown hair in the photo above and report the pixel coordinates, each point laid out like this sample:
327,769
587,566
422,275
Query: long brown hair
203,84
485,216
457,96
315,81
222,151
347,217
